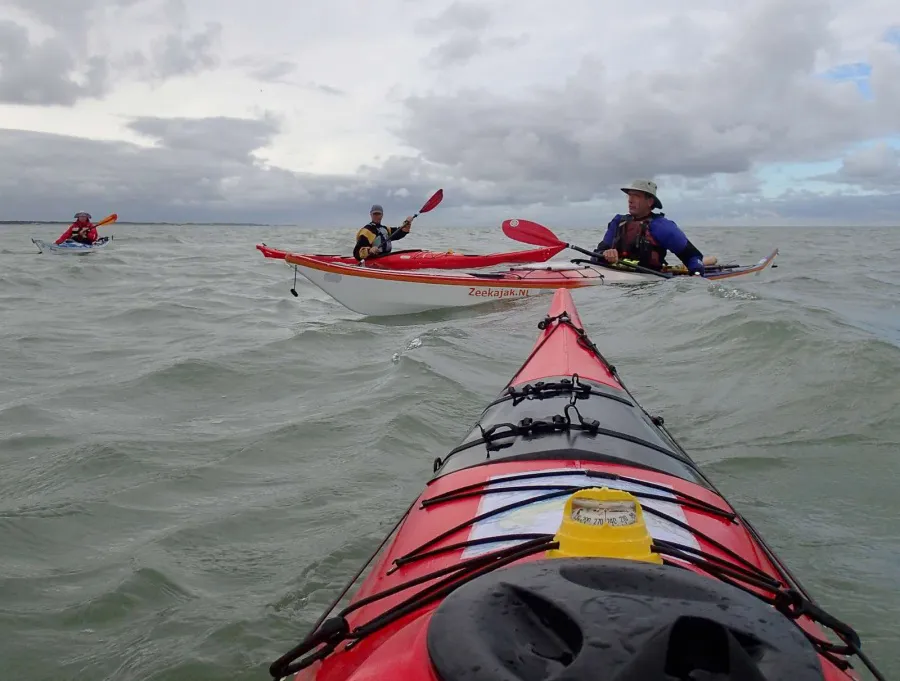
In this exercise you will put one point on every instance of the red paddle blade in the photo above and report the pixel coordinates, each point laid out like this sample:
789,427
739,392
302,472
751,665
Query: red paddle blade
529,232
432,203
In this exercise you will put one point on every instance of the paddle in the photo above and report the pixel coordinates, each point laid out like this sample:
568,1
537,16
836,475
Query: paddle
529,232
112,217
430,204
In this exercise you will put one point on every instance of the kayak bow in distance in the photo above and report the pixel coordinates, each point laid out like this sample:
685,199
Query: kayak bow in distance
416,259
382,293
568,533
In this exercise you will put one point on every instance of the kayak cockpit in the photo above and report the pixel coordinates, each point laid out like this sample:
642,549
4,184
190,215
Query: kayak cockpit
561,419
636,621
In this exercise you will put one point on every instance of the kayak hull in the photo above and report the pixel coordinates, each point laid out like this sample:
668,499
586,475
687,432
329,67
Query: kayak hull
70,247
384,293
420,259
479,564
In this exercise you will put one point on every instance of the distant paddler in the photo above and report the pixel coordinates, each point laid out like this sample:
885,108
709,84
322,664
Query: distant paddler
376,239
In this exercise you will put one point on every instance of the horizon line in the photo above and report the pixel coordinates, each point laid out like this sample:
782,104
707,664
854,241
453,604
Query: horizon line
288,224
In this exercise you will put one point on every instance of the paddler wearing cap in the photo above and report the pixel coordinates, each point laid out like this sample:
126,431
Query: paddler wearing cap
645,236
375,239
82,230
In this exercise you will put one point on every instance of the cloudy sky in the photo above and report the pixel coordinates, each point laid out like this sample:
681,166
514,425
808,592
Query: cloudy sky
745,112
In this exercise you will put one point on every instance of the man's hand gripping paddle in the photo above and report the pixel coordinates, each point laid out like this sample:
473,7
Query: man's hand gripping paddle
529,232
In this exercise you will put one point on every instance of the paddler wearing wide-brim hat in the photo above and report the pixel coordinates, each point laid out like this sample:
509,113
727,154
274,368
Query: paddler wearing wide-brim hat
645,236
82,231
646,187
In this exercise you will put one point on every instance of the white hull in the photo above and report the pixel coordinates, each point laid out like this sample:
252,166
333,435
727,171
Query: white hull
385,293
72,247
379,297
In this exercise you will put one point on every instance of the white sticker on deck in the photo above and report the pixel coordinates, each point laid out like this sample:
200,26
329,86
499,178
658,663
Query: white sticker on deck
545,516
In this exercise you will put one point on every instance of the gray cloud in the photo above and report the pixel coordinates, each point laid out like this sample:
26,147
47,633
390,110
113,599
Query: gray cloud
71,18
744,183
718,206
204,170
281,71
838,208
456,50
46,73
758,101
198,170
461,48
468,16
222,137
872,168
327,89
466,23
65,68
273,72
178,55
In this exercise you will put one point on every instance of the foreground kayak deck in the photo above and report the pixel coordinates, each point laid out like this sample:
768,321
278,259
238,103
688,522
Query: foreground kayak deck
382,293
569,533
415,259
72,247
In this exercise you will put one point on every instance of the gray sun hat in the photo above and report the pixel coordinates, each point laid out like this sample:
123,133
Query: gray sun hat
376,209
646,186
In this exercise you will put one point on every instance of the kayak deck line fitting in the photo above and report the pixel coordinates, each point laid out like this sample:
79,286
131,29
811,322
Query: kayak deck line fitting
717,583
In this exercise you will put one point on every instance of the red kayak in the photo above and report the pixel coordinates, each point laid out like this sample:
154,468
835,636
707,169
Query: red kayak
569,536
435,260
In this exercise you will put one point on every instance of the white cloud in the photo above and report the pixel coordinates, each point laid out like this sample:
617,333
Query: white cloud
301,111
875,167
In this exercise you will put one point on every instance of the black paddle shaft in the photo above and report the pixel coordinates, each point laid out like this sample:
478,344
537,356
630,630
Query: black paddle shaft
638,268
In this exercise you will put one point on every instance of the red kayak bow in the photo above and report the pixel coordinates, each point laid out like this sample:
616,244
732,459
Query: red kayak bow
569,536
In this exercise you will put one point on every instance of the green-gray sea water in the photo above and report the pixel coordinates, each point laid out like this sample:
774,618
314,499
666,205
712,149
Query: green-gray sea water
194,461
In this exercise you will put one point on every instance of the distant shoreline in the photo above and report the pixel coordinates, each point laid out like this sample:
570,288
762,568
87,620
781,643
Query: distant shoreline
686,226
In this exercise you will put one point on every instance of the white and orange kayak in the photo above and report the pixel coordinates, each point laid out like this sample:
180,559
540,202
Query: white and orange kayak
569,536
382,293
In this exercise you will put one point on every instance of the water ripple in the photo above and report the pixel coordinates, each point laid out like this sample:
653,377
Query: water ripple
195,461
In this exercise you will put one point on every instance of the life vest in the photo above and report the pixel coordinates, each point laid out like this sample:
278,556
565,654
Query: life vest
634,241
382,237
80,231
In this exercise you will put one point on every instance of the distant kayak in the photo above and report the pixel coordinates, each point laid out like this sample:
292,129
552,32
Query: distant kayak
424,260
381,293
72,247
